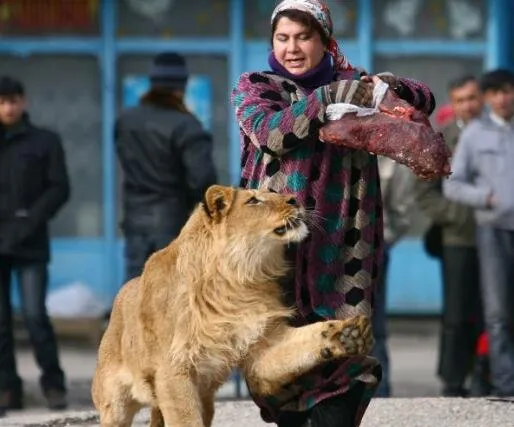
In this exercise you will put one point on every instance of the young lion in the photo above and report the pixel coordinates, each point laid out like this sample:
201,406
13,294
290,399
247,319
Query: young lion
210,302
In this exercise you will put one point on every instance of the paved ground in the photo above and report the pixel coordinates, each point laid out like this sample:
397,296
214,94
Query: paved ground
396,412
413,348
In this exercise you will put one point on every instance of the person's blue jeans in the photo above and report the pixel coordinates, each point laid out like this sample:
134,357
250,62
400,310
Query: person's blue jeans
496,252
32,281
379,321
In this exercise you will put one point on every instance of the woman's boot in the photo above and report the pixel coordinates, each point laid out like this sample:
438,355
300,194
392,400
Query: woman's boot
293,419
338,411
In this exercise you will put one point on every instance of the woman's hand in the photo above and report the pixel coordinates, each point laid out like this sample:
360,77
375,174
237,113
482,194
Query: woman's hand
389,78
386,77
357,92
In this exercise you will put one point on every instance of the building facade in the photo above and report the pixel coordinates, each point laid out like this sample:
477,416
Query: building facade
77,57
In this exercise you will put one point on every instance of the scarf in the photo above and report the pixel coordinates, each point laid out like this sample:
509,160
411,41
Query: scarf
320,75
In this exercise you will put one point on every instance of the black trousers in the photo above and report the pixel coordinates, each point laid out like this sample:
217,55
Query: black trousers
462,318
139,245
33,282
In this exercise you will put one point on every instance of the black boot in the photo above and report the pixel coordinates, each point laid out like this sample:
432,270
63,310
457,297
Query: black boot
56,400
293,419
481,379
11,400
334,412
454,391
338,411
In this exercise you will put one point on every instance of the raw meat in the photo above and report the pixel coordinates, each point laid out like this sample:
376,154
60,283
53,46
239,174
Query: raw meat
398,131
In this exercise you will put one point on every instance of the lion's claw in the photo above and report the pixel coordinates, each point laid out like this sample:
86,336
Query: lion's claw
360,339
355,336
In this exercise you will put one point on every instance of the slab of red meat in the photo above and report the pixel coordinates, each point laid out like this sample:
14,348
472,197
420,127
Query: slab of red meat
397,131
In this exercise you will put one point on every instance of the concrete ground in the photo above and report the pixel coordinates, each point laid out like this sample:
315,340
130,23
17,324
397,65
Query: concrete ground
395,412
413,350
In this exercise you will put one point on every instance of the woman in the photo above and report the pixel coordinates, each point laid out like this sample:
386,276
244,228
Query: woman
279,114
167,164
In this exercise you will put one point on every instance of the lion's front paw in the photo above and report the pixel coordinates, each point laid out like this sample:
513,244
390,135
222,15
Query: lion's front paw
349,337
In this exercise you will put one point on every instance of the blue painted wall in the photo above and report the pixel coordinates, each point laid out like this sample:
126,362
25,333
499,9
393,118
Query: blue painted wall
414,285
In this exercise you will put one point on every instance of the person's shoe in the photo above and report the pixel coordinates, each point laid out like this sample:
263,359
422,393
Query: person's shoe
332,412
11,400
450,391
293,419
56,400
481,379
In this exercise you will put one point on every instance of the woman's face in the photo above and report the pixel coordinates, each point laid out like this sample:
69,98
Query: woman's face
295,48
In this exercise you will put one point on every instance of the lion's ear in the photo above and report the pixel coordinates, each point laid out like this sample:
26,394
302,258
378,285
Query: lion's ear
218,200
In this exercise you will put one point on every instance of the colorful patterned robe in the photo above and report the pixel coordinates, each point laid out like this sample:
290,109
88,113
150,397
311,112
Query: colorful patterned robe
337,266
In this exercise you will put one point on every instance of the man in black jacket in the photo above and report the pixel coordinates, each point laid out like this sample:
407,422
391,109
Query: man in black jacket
33,187
167,164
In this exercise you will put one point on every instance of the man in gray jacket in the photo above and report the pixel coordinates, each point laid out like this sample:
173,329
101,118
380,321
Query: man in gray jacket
483,178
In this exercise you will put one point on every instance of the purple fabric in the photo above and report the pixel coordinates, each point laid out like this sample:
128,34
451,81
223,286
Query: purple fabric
321,74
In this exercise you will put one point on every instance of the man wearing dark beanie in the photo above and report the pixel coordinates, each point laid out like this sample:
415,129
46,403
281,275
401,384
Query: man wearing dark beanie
167,164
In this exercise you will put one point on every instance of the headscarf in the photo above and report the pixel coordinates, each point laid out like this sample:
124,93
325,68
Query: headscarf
320,11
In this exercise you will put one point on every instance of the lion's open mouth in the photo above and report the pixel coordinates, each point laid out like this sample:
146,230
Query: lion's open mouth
291,224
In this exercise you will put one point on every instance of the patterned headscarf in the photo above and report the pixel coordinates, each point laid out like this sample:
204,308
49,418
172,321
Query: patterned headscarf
320,11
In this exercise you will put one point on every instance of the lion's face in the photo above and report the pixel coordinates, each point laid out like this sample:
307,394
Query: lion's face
258,216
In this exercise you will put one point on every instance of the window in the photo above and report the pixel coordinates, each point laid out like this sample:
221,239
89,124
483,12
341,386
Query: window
63,94
173,18
417,19
49,17
258,14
